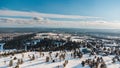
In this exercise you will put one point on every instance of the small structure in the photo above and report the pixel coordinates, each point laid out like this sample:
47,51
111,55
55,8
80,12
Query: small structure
1,46
85,50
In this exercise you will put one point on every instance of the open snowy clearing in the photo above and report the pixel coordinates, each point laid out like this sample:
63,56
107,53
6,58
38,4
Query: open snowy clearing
40,62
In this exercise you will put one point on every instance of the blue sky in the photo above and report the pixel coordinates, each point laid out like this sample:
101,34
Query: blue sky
91,10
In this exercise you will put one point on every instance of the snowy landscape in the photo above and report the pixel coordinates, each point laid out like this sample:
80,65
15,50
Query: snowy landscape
59,33
64,51
40,61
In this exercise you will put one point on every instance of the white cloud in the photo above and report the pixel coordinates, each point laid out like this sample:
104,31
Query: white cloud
88,24
42,19
36,14
54,23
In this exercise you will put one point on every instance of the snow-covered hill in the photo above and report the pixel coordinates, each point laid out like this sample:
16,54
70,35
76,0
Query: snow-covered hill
40,60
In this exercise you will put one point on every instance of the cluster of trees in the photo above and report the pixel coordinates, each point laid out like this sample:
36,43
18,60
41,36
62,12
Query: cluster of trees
44,44
6,54
96,62
55,45
18,42
19,61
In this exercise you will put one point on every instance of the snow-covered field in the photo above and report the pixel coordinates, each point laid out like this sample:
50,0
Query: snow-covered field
40,62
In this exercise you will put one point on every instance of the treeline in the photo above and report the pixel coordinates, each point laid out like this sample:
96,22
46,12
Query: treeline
18,42
44,44
47,45
55,45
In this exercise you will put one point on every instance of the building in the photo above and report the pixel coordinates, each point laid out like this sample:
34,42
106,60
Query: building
1,46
